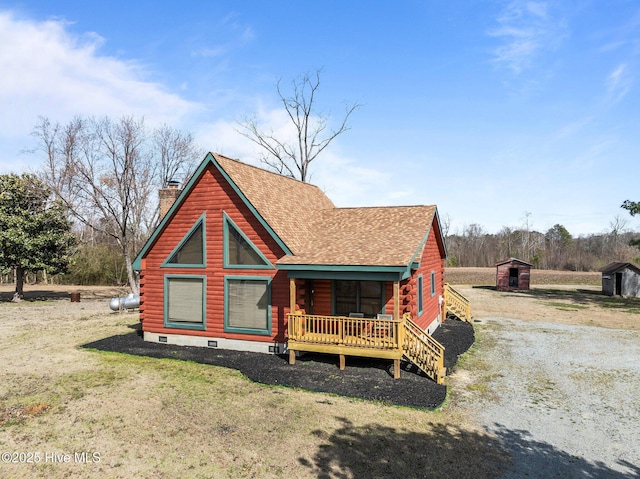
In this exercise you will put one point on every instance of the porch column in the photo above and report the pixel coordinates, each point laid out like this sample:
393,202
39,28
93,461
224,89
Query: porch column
396,300
292,295
292,310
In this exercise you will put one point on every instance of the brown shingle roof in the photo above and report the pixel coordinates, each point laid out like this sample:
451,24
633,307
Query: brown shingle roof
383,236
286,204
318,233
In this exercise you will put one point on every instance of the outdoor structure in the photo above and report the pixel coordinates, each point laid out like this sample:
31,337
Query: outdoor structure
512,274
621,279
250,260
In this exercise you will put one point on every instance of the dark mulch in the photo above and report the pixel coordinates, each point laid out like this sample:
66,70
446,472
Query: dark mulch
363,378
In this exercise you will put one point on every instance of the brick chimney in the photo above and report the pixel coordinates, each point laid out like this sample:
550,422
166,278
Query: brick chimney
168,196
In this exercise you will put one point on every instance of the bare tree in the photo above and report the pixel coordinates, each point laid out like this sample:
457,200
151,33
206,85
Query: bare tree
174,151
105,171
313,135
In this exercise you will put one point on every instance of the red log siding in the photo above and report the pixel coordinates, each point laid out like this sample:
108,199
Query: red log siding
432,260
322,299
213,195
388,298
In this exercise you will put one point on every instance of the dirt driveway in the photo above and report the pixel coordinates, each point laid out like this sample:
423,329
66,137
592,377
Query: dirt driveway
555,375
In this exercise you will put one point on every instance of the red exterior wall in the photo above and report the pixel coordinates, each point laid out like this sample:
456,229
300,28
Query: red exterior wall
432,260
211,195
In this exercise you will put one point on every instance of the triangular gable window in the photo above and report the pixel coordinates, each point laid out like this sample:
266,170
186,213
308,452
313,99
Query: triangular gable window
239,251
190,252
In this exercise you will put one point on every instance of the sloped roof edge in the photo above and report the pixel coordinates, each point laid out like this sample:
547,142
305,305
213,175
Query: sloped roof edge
209,159
442,243
512,260
616,266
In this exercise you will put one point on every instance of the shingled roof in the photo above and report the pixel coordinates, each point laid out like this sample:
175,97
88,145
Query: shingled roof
308,225
318,233
286,204
384,236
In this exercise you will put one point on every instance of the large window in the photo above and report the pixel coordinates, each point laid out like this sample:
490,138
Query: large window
184,301
239,251
247,305
190,252
366,297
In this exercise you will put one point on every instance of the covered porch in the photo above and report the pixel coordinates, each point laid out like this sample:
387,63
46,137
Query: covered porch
386,335
346,312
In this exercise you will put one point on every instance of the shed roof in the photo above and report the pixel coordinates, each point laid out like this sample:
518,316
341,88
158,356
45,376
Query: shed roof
616,267
513,260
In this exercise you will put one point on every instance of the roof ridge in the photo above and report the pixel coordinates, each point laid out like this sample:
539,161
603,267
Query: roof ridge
382,207
279,175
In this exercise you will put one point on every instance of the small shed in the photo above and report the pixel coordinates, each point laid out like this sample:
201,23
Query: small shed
621,279
512,274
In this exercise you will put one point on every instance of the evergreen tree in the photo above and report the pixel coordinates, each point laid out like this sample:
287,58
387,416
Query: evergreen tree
35,233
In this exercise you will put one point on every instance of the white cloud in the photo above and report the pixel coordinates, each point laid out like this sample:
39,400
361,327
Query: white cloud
618,83
48,71
575,127
526,29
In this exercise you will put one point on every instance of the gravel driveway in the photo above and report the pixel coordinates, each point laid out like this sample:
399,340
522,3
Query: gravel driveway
564,400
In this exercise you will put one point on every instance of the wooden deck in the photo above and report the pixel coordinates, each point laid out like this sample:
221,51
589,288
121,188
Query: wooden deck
368,337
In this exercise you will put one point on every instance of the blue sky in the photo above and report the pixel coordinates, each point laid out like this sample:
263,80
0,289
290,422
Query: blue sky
496,111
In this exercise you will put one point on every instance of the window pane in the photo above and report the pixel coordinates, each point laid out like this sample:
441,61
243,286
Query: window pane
239,251
433,283
420,294
371,289
358,297
370,306
370,297
248,304
191,251
346,297
185,300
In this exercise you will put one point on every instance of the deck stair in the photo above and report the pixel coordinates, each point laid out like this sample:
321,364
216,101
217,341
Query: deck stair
423,351
456,303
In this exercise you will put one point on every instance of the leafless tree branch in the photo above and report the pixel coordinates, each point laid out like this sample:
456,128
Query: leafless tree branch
312,134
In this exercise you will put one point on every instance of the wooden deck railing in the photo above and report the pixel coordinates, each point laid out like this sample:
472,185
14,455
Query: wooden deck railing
342,331
457,303
378,338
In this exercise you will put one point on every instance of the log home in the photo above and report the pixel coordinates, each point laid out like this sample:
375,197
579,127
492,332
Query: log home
250,260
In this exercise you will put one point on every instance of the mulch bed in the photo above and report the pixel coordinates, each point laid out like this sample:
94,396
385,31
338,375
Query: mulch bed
363,378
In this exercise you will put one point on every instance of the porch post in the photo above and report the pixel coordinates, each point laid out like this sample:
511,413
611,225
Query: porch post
396,300
292,310
292,295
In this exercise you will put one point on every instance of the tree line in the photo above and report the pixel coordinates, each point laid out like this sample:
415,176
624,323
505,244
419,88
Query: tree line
93,203
555,248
